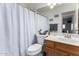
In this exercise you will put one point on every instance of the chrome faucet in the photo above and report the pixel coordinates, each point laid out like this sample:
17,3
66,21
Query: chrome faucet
67,35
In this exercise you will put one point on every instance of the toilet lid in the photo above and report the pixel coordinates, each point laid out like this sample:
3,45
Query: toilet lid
34,47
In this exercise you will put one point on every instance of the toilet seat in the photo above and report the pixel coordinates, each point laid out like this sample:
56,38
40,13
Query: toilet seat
34,49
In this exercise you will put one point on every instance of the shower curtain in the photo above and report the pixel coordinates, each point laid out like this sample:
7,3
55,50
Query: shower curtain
17,29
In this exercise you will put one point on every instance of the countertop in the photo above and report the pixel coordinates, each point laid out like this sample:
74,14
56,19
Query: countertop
71,41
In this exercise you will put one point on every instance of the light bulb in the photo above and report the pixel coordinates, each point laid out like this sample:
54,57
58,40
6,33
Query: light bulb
51,6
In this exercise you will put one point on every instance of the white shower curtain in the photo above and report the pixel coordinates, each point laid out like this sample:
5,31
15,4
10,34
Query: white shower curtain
17,29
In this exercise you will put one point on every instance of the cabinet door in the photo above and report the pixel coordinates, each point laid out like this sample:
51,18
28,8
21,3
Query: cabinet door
53,52
49,44
60,53
73,50
49,51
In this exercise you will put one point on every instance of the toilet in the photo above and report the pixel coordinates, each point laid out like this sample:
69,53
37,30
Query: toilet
36,49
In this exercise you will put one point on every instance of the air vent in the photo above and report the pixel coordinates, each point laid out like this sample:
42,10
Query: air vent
56,15
51,19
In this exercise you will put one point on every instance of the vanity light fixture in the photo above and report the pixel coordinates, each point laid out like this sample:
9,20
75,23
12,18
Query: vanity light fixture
51,5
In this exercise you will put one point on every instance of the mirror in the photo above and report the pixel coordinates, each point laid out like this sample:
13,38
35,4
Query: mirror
65,15
68,22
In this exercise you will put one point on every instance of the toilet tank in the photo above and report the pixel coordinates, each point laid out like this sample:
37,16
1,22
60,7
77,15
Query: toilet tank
40,39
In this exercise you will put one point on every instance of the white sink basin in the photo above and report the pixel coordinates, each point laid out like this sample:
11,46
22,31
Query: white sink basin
59,36
72,39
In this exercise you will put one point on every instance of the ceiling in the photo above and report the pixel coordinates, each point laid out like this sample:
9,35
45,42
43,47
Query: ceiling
34,6
37,6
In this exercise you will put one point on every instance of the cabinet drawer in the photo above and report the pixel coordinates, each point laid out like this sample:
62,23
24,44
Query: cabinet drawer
68,48
49,44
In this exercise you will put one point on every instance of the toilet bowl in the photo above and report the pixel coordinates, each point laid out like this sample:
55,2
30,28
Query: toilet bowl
36,49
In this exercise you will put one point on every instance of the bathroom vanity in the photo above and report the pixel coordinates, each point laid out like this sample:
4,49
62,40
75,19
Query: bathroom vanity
54,46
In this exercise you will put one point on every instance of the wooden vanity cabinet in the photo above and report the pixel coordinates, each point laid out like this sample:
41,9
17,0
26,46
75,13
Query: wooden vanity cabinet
71,50
52,48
